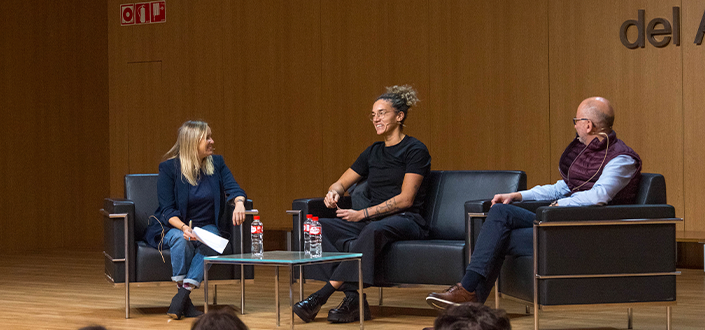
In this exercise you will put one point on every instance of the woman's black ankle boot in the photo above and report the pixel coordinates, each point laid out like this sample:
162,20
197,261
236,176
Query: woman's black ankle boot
178,304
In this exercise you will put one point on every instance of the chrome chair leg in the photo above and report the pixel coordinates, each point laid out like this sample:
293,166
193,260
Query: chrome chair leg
630,318
496,294
380,296
668,317
215,294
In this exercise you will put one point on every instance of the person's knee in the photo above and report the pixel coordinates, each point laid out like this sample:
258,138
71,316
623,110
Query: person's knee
500,209
177,243
500,213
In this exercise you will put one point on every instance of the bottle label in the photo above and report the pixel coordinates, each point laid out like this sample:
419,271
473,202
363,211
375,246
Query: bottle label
306,228
256,229
314,230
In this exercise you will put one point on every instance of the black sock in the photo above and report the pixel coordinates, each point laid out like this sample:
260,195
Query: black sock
325,292
471,280
349,288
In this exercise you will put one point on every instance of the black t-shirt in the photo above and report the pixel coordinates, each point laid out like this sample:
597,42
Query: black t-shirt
385,168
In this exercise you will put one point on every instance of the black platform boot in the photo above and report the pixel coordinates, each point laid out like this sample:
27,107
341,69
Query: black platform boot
178,304
349,310
190,310
308,308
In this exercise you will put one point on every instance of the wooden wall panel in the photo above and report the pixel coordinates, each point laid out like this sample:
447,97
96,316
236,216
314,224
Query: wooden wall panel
366,46
53,96
250,69
120,46
147,138
489,87
287,86
693,116
643,84
272,95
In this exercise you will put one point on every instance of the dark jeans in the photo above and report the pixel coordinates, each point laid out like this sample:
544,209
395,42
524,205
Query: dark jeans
368,238
506,231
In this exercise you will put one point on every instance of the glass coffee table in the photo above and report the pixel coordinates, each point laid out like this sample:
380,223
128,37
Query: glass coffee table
277,259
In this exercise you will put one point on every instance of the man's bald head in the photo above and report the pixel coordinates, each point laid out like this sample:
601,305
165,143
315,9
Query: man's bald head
599,111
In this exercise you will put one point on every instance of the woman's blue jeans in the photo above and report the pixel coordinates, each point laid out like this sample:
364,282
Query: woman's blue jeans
187,256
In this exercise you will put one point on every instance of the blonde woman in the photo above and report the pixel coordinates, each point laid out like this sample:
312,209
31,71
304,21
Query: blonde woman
193,187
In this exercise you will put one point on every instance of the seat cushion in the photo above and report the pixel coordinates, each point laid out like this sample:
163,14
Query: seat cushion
425,262
151,268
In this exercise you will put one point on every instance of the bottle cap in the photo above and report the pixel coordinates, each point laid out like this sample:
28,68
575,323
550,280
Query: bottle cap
256,217
309,216
315,218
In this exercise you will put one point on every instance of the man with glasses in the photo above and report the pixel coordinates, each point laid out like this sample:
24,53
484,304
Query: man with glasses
596,169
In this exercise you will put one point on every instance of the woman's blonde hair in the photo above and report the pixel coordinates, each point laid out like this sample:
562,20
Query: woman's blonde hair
186,149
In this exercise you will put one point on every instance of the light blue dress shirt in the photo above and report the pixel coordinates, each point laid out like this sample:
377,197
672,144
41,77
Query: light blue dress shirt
615,176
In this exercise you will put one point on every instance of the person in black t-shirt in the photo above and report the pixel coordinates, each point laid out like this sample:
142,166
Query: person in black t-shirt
395,169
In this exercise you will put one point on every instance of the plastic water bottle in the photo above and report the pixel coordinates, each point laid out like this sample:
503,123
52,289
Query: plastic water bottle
315,233
257,232
307,237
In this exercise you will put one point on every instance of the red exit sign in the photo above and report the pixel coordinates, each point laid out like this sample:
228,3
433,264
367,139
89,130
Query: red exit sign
143,13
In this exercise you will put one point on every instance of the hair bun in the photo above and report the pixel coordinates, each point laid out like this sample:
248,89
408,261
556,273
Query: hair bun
406,93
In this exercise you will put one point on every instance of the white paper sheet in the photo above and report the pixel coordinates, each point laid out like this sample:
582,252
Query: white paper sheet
213,241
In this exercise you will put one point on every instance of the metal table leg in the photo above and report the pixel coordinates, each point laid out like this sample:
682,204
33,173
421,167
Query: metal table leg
301,282
276,290
362,298
291,294
242,290
205,286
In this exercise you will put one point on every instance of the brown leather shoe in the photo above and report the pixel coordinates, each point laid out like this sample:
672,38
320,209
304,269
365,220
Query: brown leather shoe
455,295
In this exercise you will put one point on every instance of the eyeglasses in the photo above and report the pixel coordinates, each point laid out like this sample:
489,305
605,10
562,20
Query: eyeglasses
576,120
380,114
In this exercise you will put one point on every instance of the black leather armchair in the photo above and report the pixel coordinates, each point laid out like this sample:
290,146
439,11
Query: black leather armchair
417,262
594,255
124,224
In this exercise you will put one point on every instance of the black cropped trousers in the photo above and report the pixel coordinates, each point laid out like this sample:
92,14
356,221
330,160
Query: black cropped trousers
366,237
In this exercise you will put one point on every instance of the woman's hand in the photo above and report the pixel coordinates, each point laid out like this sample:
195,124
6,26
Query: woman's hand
188,234
239,214
331,199
350,215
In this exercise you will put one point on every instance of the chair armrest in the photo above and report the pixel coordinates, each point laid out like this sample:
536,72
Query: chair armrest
614,239
240,238
316,206
624,213
475,213
532,205
313,206
114,213
481,206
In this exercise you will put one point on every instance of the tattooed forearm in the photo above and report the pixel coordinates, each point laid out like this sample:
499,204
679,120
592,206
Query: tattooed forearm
388,207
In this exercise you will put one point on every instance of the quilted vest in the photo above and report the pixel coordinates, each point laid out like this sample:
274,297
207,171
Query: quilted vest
581,166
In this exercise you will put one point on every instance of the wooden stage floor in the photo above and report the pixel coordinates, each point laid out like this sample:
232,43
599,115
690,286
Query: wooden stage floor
67,290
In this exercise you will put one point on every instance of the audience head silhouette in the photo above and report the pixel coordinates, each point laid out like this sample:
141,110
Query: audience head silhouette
472,316
221,319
